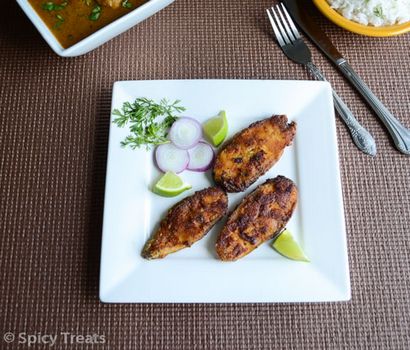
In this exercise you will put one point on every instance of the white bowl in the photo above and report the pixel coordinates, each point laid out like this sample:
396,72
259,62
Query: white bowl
99,37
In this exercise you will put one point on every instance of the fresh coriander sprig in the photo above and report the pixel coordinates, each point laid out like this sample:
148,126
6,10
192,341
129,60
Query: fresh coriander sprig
378,11
51,6
142,116
95,13
126,4
60,21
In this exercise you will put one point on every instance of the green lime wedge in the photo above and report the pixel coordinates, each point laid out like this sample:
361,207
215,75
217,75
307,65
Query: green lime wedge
288,247
216,128
170,185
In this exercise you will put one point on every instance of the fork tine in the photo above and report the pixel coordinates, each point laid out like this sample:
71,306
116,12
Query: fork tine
290,21
275,28
285,23
281,29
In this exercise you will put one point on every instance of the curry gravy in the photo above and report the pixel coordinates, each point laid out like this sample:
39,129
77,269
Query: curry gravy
72,20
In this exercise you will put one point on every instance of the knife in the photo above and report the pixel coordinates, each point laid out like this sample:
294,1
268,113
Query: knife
299,12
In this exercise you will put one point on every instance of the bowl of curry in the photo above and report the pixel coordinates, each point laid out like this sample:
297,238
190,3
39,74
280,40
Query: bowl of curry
75,27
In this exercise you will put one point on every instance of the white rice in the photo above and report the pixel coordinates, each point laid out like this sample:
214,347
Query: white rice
374,12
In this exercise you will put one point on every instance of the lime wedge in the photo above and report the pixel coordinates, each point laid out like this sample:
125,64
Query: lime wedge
216,128
288,247
170,185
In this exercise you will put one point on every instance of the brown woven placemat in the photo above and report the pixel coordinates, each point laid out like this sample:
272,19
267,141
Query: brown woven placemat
54,120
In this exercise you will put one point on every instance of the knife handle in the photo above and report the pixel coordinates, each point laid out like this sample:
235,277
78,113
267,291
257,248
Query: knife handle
400,135
361,137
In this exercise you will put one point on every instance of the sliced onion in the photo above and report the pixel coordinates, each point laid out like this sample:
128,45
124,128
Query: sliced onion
201,157
185,133
171,158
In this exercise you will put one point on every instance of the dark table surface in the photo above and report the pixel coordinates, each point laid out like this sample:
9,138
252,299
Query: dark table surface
54,121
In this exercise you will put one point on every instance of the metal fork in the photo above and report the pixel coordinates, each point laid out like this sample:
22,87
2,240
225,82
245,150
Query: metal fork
295,48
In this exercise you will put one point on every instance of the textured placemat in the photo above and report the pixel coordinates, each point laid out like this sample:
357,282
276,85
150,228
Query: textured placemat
54,115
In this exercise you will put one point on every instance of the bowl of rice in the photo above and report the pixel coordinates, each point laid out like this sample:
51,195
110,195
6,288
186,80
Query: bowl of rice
368,17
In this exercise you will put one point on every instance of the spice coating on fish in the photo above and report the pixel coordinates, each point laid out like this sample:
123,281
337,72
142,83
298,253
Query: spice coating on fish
259,217
187,222
252,152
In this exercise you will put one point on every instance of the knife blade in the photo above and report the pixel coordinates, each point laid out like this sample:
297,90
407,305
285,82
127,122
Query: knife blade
300,11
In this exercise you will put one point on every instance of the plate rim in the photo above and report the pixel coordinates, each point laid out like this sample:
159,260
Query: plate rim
345,295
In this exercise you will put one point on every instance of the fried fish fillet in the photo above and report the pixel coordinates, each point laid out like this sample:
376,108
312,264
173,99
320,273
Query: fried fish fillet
187,222
260,215
252,152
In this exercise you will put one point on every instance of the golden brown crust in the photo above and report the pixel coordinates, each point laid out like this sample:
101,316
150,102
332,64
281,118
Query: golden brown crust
260,215
252,152
187,222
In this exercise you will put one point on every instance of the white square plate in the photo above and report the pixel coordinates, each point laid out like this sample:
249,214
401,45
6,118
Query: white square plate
132,211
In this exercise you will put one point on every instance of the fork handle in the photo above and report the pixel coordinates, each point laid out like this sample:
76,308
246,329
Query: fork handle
400,135
361,137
